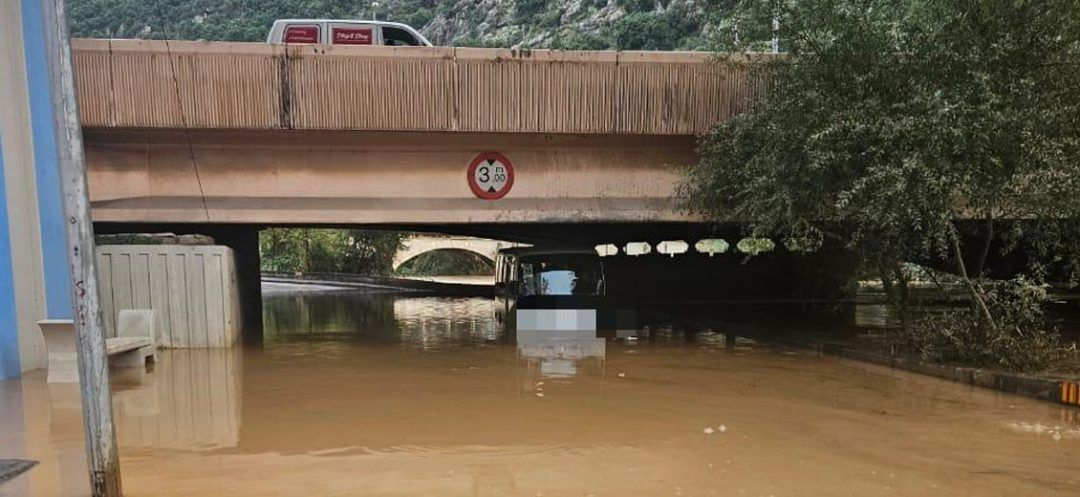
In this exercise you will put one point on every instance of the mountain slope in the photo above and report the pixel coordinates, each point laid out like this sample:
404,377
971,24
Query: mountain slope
566,24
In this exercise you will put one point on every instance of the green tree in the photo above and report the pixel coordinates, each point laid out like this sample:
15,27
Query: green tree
329,250
370,251
576,40
653,31
301,249
886,124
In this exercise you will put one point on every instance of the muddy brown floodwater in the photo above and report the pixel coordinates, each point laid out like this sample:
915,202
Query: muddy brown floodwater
380,395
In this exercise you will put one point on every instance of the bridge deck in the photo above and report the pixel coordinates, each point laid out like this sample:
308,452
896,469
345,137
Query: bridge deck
219,85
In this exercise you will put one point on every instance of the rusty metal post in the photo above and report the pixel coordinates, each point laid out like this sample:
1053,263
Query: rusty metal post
102,459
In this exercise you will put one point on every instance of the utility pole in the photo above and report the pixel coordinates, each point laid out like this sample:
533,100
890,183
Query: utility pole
102,459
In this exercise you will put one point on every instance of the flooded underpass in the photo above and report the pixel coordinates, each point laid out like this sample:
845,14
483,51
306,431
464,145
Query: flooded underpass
354,393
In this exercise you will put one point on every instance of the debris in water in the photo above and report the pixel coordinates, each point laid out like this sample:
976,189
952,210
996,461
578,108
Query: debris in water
622,375
722,428
708,430
539,394
1057,436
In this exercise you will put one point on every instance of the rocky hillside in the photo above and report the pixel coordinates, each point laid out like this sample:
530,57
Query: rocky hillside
566,24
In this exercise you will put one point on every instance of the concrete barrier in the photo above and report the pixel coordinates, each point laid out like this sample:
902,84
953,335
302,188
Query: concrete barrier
193,290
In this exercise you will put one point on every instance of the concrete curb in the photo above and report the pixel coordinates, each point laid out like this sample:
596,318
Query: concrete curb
1053,390
381,282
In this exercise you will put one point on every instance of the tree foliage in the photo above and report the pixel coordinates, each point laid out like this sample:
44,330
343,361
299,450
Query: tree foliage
329,250
885,124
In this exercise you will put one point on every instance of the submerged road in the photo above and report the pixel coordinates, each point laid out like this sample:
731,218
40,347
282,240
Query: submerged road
377,394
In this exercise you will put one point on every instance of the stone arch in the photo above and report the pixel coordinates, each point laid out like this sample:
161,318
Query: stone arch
413,256
418,245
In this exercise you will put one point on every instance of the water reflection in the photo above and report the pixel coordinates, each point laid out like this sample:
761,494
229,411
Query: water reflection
420,322
438,322
190,401
561,353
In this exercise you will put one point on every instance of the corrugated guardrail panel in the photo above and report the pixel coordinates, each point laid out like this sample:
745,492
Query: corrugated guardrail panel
374,88
141,84
569,94
673,96
93,63
230,91
488,90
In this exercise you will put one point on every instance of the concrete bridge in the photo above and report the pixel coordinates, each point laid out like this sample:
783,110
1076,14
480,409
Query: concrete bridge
418,245
208,132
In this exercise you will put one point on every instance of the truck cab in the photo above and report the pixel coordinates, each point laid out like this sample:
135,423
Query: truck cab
344,32
547,287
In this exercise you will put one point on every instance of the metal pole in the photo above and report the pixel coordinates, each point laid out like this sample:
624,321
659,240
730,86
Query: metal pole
102,460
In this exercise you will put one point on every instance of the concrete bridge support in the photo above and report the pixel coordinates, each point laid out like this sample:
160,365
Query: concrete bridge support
243,239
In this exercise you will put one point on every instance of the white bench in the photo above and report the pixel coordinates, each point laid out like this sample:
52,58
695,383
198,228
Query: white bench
134,344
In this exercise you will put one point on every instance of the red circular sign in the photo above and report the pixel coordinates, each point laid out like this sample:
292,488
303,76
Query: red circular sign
491,175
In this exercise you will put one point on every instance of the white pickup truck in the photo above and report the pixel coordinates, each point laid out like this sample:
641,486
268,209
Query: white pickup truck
345,32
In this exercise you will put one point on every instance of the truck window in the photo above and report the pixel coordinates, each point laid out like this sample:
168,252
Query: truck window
562,274
351,36
398,37
301,34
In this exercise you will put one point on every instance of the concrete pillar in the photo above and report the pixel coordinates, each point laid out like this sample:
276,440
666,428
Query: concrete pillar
33,263
10,363
244,241
245,246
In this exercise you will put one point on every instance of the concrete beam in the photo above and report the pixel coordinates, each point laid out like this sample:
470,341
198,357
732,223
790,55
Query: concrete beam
378,178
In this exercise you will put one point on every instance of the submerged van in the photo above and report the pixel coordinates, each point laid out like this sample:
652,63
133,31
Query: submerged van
345,32
549,289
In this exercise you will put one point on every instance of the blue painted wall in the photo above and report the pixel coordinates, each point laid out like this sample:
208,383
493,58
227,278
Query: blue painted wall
50,198
9,331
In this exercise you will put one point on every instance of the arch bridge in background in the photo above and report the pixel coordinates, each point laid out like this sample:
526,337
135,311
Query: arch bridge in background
418,245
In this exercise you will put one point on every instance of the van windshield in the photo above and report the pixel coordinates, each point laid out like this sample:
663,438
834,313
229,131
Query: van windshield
398,37
561,274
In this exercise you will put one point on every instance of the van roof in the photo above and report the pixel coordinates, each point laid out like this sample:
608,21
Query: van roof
387,23
357,21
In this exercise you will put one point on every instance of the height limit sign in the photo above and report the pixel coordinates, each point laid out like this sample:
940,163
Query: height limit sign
491,175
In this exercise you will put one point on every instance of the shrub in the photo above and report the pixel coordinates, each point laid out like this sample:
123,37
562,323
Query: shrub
576,40
1019,340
